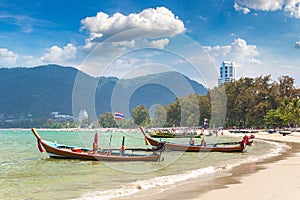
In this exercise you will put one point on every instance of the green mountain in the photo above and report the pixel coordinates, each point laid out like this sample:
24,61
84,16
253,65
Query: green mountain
37,92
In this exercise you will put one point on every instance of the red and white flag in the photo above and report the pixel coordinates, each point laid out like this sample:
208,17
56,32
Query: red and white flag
119,115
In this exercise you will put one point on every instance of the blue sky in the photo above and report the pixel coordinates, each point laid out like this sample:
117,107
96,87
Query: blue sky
123,38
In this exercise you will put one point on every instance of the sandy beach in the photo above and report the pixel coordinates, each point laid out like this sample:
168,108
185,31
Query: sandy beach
274,178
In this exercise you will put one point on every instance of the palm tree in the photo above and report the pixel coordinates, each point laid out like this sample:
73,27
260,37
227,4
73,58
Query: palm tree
294,108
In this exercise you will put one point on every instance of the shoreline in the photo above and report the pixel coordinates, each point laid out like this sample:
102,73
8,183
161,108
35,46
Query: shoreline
274,178
73,129
254,180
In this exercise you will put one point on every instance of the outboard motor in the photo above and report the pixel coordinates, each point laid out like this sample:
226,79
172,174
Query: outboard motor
160,147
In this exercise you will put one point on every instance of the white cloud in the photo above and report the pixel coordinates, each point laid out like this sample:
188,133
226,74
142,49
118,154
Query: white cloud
293,8
150,23
24,22
290,6
238,51
60,55
121,65
7,58
56,55
297,45
240,8
30,61
265,5
159,44
202,18
112,37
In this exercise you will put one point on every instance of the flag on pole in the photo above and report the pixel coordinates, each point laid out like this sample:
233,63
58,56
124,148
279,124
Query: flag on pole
119,115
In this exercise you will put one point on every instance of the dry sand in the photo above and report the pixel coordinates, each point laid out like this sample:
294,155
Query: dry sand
276,178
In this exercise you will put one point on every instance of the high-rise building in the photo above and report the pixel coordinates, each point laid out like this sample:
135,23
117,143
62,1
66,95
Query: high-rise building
227,72
82,115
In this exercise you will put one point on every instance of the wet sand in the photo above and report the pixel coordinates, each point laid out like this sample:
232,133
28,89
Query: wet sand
274,178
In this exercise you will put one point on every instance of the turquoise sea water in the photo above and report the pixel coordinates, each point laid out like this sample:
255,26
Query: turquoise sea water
25,173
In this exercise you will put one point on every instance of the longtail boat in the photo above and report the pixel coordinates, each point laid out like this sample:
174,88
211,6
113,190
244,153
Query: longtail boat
165,133
55,150
203,147
284,133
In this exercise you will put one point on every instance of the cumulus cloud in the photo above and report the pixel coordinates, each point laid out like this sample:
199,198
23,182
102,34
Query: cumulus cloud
240,8
292,7
238,51
149,23
297,45
7,58
60,55
266,5
159,44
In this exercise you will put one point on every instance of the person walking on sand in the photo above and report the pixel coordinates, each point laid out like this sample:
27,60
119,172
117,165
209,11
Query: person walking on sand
192,142
203,142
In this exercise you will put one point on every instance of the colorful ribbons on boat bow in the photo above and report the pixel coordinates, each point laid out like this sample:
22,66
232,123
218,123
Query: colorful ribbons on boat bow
39,145
246,140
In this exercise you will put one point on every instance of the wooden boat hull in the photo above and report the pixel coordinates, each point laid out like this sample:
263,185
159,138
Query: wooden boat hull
69,152
198,148
161,135
284,133
218,147
89,155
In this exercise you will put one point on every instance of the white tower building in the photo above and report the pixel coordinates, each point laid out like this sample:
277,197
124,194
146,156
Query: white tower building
227,72
82,115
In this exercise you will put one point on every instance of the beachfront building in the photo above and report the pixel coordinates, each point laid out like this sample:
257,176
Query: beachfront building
62,118
227,72
83,115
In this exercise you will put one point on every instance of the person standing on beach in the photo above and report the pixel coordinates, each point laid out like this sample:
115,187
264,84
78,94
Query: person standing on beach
203,142
191,142
205,124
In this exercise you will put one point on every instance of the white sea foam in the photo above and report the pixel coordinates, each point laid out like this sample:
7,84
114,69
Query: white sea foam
132,188
157,182
278,149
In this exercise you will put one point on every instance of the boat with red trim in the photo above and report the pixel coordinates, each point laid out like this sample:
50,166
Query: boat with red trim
55,150
239,146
